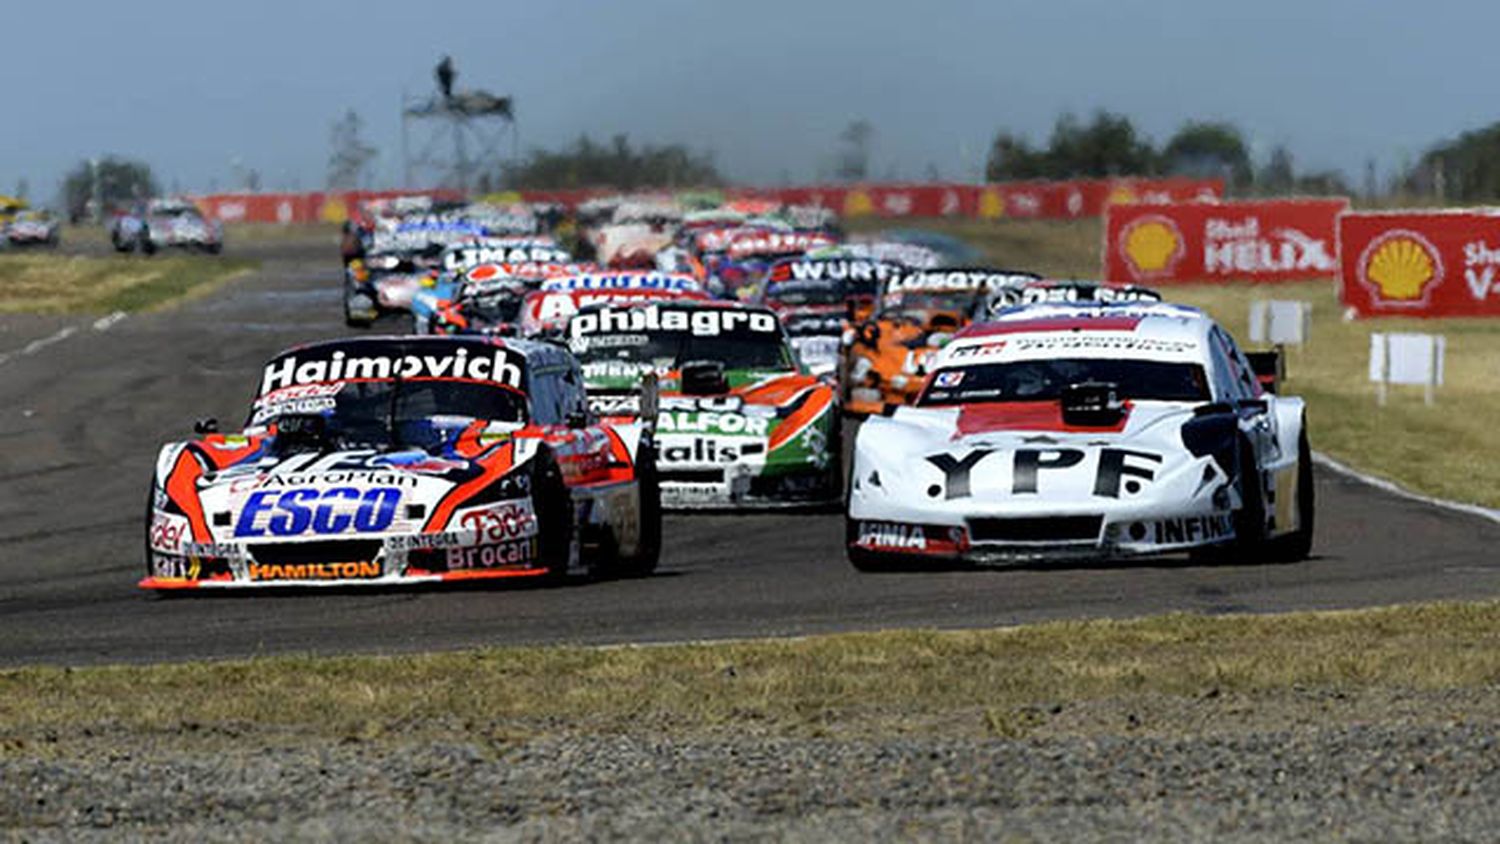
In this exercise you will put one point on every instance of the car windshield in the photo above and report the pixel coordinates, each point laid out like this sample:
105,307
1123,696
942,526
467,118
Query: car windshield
802,293
385,414
937,300
671,349
493,306
1044,380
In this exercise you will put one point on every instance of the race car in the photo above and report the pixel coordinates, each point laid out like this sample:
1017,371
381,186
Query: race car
818,298
547,310
915,314
738,422
399,460
1082,432
484,300
32,228
166,223
1054,290
509,265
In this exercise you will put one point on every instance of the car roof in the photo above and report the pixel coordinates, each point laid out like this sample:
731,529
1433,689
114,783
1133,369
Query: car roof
1183,329
531,349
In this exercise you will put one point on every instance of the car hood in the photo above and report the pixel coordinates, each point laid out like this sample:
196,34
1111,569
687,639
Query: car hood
1023,455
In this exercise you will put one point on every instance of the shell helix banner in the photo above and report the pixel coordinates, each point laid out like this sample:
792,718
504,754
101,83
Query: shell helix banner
1273,240
1420,263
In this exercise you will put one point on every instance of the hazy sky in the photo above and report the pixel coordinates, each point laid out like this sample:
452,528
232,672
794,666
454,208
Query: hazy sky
190,86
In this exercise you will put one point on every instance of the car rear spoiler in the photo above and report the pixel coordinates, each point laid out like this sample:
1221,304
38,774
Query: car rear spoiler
1269,368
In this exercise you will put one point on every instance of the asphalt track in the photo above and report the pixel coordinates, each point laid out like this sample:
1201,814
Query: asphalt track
81,419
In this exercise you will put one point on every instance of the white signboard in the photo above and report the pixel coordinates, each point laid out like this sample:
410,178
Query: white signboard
1415,359
1280,321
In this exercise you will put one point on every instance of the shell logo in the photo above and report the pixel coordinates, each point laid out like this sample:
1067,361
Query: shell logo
991,204
1401,266
858,204
1152,246
334,211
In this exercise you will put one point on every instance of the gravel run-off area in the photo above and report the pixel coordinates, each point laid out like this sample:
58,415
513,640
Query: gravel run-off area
1306,764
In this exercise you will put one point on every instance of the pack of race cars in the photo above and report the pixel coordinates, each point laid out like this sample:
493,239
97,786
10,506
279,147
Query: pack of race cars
570,374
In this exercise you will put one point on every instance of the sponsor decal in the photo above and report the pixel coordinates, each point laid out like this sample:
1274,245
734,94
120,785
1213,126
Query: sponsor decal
1152,246
1060,342
321,511
957,280
360,570
458,260
709,422
701,322
168,533
949,379
511,520
607,406
1400,267
1192,529
501,366
785,275
701,450
1118,470
891,536
215,550
490,556
623,281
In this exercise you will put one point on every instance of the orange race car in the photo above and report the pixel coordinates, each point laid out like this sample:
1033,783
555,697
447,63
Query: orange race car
885,357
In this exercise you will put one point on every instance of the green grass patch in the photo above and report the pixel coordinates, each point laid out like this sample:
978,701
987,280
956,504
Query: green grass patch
1436,450
985,681
58,284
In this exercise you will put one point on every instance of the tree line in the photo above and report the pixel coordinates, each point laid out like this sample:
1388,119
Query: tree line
1463,169
1108,144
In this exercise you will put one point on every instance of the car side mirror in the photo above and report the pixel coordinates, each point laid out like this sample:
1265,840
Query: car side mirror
1253,405
650,406
206,425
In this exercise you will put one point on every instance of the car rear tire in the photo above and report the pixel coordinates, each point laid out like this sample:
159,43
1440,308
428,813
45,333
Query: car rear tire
648,550
1297,545
552,502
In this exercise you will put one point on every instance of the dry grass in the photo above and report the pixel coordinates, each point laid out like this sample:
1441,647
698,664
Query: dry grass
1440,450
55,284
921,681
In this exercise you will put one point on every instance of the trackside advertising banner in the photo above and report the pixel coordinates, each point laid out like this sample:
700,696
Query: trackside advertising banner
1045,200
1420,263
1273,240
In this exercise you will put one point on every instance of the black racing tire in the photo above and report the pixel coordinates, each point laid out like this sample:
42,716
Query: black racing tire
648,551
147,247
552,502
213,248
1297,545
122,245
350,319
1249,544
146,528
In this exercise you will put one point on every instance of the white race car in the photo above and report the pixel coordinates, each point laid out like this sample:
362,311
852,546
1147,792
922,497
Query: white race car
1085,431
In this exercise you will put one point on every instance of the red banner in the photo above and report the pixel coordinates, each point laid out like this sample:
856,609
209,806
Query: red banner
1272,240
1048,200
1420,263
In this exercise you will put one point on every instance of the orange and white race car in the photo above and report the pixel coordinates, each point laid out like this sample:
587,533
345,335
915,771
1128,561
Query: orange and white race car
885,358
403,460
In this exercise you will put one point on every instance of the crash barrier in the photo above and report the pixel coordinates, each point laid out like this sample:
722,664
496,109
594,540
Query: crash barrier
287,208
1420,263
1280,322
1040,199
1414,359
1265,240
